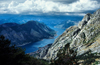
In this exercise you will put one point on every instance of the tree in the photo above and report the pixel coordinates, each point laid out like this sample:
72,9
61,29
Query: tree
11,55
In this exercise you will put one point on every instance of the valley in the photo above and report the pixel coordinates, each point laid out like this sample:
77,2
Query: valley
49,32
50,21
35,46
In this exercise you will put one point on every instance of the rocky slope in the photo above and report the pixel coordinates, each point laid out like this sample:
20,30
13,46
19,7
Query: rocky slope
41,52
84,37
30,32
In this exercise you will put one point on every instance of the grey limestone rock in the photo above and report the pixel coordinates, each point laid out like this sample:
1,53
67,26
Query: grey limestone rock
81,39
84,21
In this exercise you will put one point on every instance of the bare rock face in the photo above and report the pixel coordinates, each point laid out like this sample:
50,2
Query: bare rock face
84,21
84,37
41,52
61,41
97,13
30,32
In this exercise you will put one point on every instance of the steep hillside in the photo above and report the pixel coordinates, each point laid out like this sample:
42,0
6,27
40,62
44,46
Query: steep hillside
41,52
30,32
84,37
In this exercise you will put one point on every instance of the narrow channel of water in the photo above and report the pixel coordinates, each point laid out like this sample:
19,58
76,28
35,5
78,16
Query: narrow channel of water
34,46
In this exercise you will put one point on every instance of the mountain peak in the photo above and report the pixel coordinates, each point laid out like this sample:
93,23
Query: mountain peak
81,38
30,32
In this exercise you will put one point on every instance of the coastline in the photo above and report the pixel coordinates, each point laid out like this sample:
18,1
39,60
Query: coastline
36,41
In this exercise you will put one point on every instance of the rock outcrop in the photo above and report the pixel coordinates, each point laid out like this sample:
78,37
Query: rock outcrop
30,32
84,37
41,52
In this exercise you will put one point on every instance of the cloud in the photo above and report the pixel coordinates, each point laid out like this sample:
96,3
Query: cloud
97,0
64,1
54,7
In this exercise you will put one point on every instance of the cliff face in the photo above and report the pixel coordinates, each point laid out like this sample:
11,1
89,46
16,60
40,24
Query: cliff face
29,32
84,37
41,52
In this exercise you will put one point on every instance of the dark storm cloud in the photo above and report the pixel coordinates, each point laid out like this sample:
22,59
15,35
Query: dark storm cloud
64,1
96,0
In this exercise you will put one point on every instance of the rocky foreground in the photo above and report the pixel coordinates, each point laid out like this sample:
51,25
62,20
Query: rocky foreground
84,37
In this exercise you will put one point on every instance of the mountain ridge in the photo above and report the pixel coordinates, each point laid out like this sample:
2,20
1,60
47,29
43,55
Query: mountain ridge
81,38
30,32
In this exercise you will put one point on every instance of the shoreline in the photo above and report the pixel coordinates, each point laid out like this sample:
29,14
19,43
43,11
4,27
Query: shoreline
36,41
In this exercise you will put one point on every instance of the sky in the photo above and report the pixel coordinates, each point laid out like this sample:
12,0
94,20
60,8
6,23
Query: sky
48,7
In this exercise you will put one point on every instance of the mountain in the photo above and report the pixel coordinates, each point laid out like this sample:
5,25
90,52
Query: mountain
12,20
8,25
82,38
48,20
65,24
41,52
30,32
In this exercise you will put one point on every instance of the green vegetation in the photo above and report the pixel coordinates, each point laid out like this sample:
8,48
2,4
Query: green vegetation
11,55
66,56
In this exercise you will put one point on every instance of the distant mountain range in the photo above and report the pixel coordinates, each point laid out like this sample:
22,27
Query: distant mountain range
48,20
2,21
30,32
65,24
